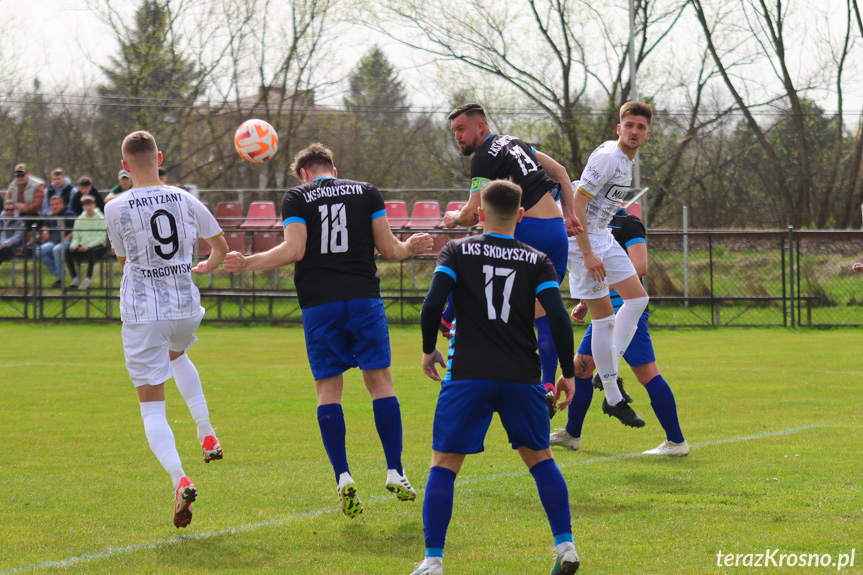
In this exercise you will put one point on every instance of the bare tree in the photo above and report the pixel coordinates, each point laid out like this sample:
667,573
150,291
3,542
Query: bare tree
556,53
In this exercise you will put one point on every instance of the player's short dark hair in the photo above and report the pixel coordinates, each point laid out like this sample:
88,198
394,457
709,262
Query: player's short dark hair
315,154
140,142
58,196
473,110
636,109
85,181
501,198
58,172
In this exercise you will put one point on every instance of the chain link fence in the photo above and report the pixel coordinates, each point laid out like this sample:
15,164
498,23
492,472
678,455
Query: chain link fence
700,278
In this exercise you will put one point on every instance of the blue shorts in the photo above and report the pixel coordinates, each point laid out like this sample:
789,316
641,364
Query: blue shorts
549,237
465,407
346,334
640,350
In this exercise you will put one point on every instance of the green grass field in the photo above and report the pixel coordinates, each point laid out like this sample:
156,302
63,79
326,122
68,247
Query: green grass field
773,417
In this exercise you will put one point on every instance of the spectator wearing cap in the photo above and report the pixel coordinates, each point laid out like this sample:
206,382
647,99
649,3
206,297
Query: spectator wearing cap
124,185
61,184
89,242
86,188
26,192
11,231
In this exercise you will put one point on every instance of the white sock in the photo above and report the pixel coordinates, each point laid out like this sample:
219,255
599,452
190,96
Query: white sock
189,384
602,348
161,439
627,322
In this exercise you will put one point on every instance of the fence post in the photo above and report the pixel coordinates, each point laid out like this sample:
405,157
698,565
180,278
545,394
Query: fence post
791,273
686,256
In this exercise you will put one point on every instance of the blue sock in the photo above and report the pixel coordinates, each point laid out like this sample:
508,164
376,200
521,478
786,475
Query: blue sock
437,507
388,421
579,406
331,420
554,496
665,408
547,353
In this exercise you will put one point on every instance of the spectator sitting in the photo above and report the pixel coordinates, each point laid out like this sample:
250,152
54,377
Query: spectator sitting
56,237
163,175
26,192
11,231
86,187
60,184
89,241
124,185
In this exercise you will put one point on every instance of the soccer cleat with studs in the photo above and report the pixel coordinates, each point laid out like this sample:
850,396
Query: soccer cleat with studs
623,412
670,449
597,383
566,563
184,496
351,504
562,438
211,448
397,483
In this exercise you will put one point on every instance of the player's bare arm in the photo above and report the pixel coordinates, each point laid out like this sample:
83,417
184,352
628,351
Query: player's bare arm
392,248
289,251
468,216
594,264
218,251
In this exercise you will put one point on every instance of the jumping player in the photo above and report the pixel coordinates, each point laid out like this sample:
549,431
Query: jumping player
332,227
596,261
153,229
493,366
501,157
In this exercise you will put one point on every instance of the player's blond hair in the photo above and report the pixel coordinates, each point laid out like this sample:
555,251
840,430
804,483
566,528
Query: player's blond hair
139,143
315,154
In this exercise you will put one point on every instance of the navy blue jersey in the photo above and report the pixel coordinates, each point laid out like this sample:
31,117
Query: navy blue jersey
339,262
496,282
506,157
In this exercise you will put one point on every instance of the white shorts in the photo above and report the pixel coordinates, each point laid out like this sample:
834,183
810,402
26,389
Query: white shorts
618,267
146,347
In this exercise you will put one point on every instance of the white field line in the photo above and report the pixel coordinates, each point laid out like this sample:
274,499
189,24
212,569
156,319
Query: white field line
170,541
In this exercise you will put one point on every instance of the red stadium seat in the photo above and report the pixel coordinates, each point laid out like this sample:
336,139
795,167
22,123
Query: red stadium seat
261,215
229,214
265,241
236,242
425,214
397,213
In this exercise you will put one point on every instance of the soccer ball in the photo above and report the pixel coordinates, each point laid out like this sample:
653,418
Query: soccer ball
256,141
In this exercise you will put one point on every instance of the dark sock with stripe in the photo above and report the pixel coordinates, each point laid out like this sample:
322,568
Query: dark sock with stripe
553,494
665,408
437,506
331,420
388,421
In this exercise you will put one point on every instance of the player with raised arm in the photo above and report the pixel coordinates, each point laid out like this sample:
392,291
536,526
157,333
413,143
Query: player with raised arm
596,261
502,157
331,229
494,367
628,231
153,229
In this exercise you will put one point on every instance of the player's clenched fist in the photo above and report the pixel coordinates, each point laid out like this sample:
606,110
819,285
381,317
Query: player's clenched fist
234,262
420,244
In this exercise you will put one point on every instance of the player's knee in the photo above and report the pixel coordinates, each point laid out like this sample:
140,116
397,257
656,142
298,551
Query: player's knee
638,303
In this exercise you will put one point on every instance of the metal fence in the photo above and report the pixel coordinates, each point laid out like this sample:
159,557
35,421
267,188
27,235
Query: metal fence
697,278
